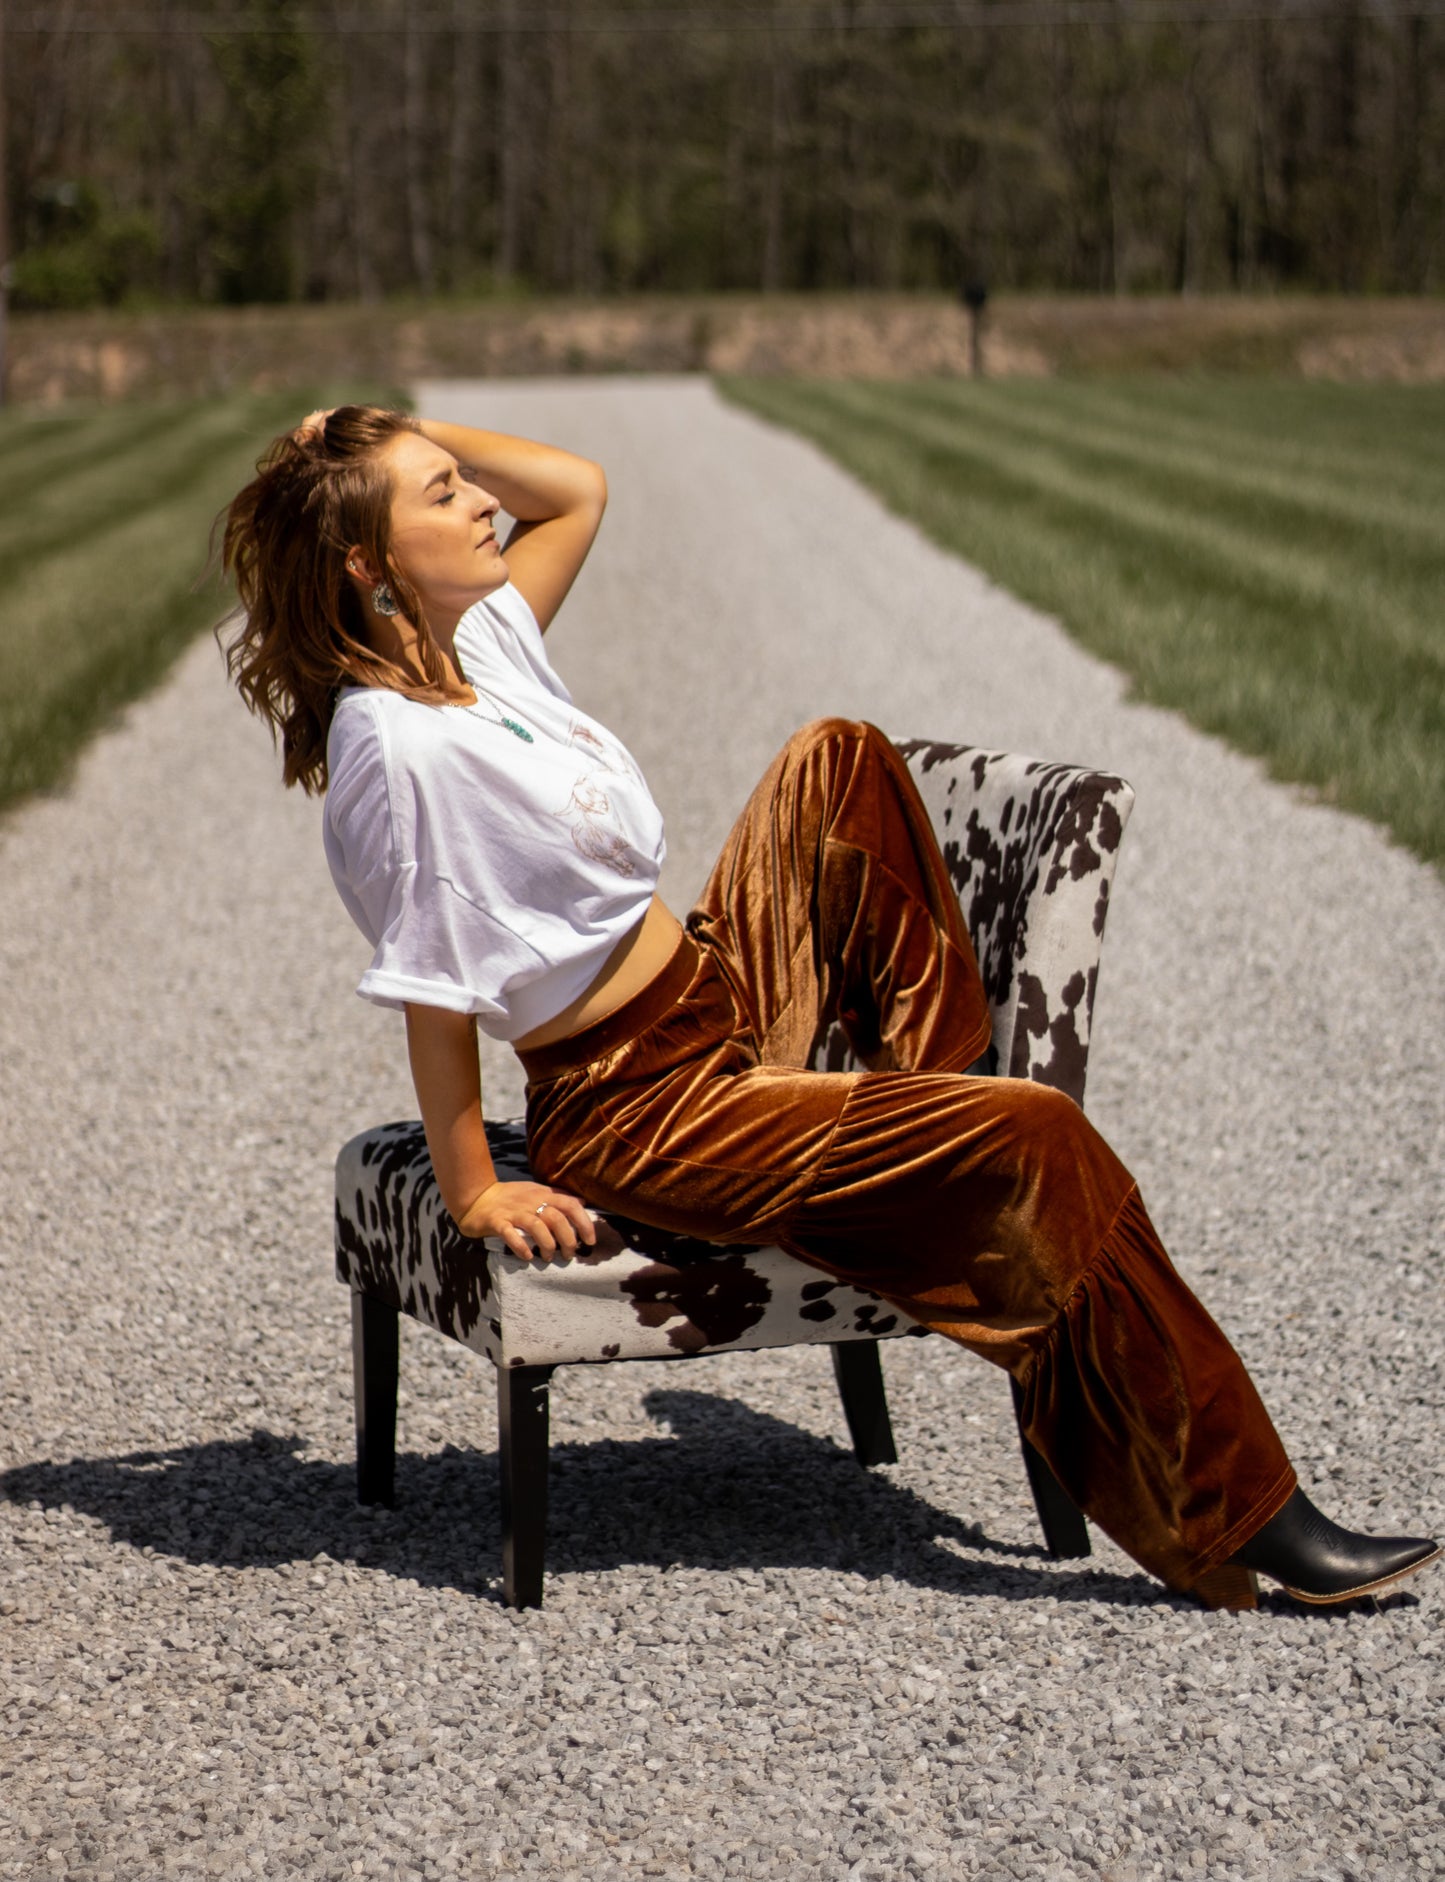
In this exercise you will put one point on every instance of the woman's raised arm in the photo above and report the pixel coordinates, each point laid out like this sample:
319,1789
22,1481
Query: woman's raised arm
447,1074
556,497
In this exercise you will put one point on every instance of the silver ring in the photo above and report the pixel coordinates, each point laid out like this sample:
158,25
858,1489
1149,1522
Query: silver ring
543,1206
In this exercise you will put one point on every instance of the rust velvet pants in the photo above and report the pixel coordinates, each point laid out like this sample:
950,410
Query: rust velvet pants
988,1209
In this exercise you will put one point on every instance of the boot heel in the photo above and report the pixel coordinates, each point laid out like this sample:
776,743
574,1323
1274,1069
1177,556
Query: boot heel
1228,1586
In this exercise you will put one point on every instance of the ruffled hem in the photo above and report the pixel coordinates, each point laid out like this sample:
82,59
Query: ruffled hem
1146,1414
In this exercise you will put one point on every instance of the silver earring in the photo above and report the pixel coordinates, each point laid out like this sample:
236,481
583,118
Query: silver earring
383,601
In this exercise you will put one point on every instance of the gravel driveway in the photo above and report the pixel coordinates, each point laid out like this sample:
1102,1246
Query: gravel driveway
755,1660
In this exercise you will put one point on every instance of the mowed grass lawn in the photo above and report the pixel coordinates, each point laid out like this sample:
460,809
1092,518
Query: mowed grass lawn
1267,557
105,516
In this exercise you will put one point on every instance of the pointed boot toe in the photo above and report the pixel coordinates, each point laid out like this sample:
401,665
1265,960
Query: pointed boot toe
1317,1562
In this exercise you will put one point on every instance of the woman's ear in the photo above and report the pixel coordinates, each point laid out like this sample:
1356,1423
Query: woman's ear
360,564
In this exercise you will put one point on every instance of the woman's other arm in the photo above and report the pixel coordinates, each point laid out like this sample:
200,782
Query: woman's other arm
556,497
447,1074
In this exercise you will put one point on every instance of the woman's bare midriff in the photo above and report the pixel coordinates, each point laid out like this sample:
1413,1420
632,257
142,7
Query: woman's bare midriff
638,958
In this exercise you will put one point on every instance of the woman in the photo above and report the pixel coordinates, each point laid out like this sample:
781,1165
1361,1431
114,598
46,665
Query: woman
500,852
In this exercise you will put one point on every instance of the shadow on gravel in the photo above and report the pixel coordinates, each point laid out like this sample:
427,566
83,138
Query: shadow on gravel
730,1487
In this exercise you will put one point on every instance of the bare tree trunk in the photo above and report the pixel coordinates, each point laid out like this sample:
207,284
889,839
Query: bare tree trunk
1257,206
772,270
417,133
509,154
1187,272
576,116
4,223
855,170
460,182
360,207
735,191
557,219
1407,120
1349,267
1111,99
59,97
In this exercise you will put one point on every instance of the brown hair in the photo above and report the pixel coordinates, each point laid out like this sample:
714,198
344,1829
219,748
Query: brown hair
286,536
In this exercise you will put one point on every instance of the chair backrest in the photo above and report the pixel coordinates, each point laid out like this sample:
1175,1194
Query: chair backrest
1031,848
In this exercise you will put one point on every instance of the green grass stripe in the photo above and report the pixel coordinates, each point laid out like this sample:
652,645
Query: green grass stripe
1231,468
1304,558
105,535
1246,550
40,461
26,431
1227,547
1298,429
1263,625
1273,531
168,457
1316,430
1149,535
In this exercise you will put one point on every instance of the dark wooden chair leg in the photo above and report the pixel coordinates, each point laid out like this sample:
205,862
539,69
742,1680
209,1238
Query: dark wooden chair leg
1063,1524
522,1407
859,1372
373,1365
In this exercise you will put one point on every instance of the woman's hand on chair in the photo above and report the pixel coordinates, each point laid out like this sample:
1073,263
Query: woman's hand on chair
531,1218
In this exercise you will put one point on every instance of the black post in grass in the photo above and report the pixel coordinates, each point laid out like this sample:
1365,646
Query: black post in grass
5,271
974,295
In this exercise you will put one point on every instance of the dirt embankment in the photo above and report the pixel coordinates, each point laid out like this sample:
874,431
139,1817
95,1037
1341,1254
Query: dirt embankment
192,352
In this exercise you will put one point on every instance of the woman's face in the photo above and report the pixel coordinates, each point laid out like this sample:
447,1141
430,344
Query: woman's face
442,538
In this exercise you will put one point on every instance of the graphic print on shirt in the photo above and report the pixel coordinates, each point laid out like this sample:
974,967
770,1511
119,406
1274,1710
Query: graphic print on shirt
606,755
594,826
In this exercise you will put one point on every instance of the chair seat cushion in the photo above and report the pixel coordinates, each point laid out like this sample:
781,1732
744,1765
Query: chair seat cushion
641,1293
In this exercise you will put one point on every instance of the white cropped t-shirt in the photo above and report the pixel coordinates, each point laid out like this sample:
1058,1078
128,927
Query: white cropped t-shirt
490,873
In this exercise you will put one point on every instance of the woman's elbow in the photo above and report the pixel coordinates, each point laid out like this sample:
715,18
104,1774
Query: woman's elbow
592,487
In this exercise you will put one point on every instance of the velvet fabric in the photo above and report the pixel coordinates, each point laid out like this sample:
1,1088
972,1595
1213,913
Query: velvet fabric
988,1209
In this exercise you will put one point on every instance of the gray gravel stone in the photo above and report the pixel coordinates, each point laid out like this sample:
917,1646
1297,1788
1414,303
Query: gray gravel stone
755,1660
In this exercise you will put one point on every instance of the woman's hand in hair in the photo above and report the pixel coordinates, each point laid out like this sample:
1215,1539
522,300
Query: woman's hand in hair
531,1218
556,497
312,425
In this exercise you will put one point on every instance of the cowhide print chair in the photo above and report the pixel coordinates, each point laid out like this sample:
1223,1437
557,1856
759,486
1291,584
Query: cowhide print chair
1031,847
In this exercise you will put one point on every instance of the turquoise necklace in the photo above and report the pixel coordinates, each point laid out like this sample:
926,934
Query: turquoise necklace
513,725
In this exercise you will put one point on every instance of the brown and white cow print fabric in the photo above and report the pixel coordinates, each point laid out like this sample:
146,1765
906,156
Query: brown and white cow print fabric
1031,849
638,1294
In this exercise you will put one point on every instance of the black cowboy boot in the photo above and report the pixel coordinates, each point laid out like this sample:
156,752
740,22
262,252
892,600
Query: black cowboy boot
1313,1560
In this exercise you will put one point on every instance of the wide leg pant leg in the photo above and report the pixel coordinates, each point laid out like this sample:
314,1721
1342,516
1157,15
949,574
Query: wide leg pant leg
988,1209
830,901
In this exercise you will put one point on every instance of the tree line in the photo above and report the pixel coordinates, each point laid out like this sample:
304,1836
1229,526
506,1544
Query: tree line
274,150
